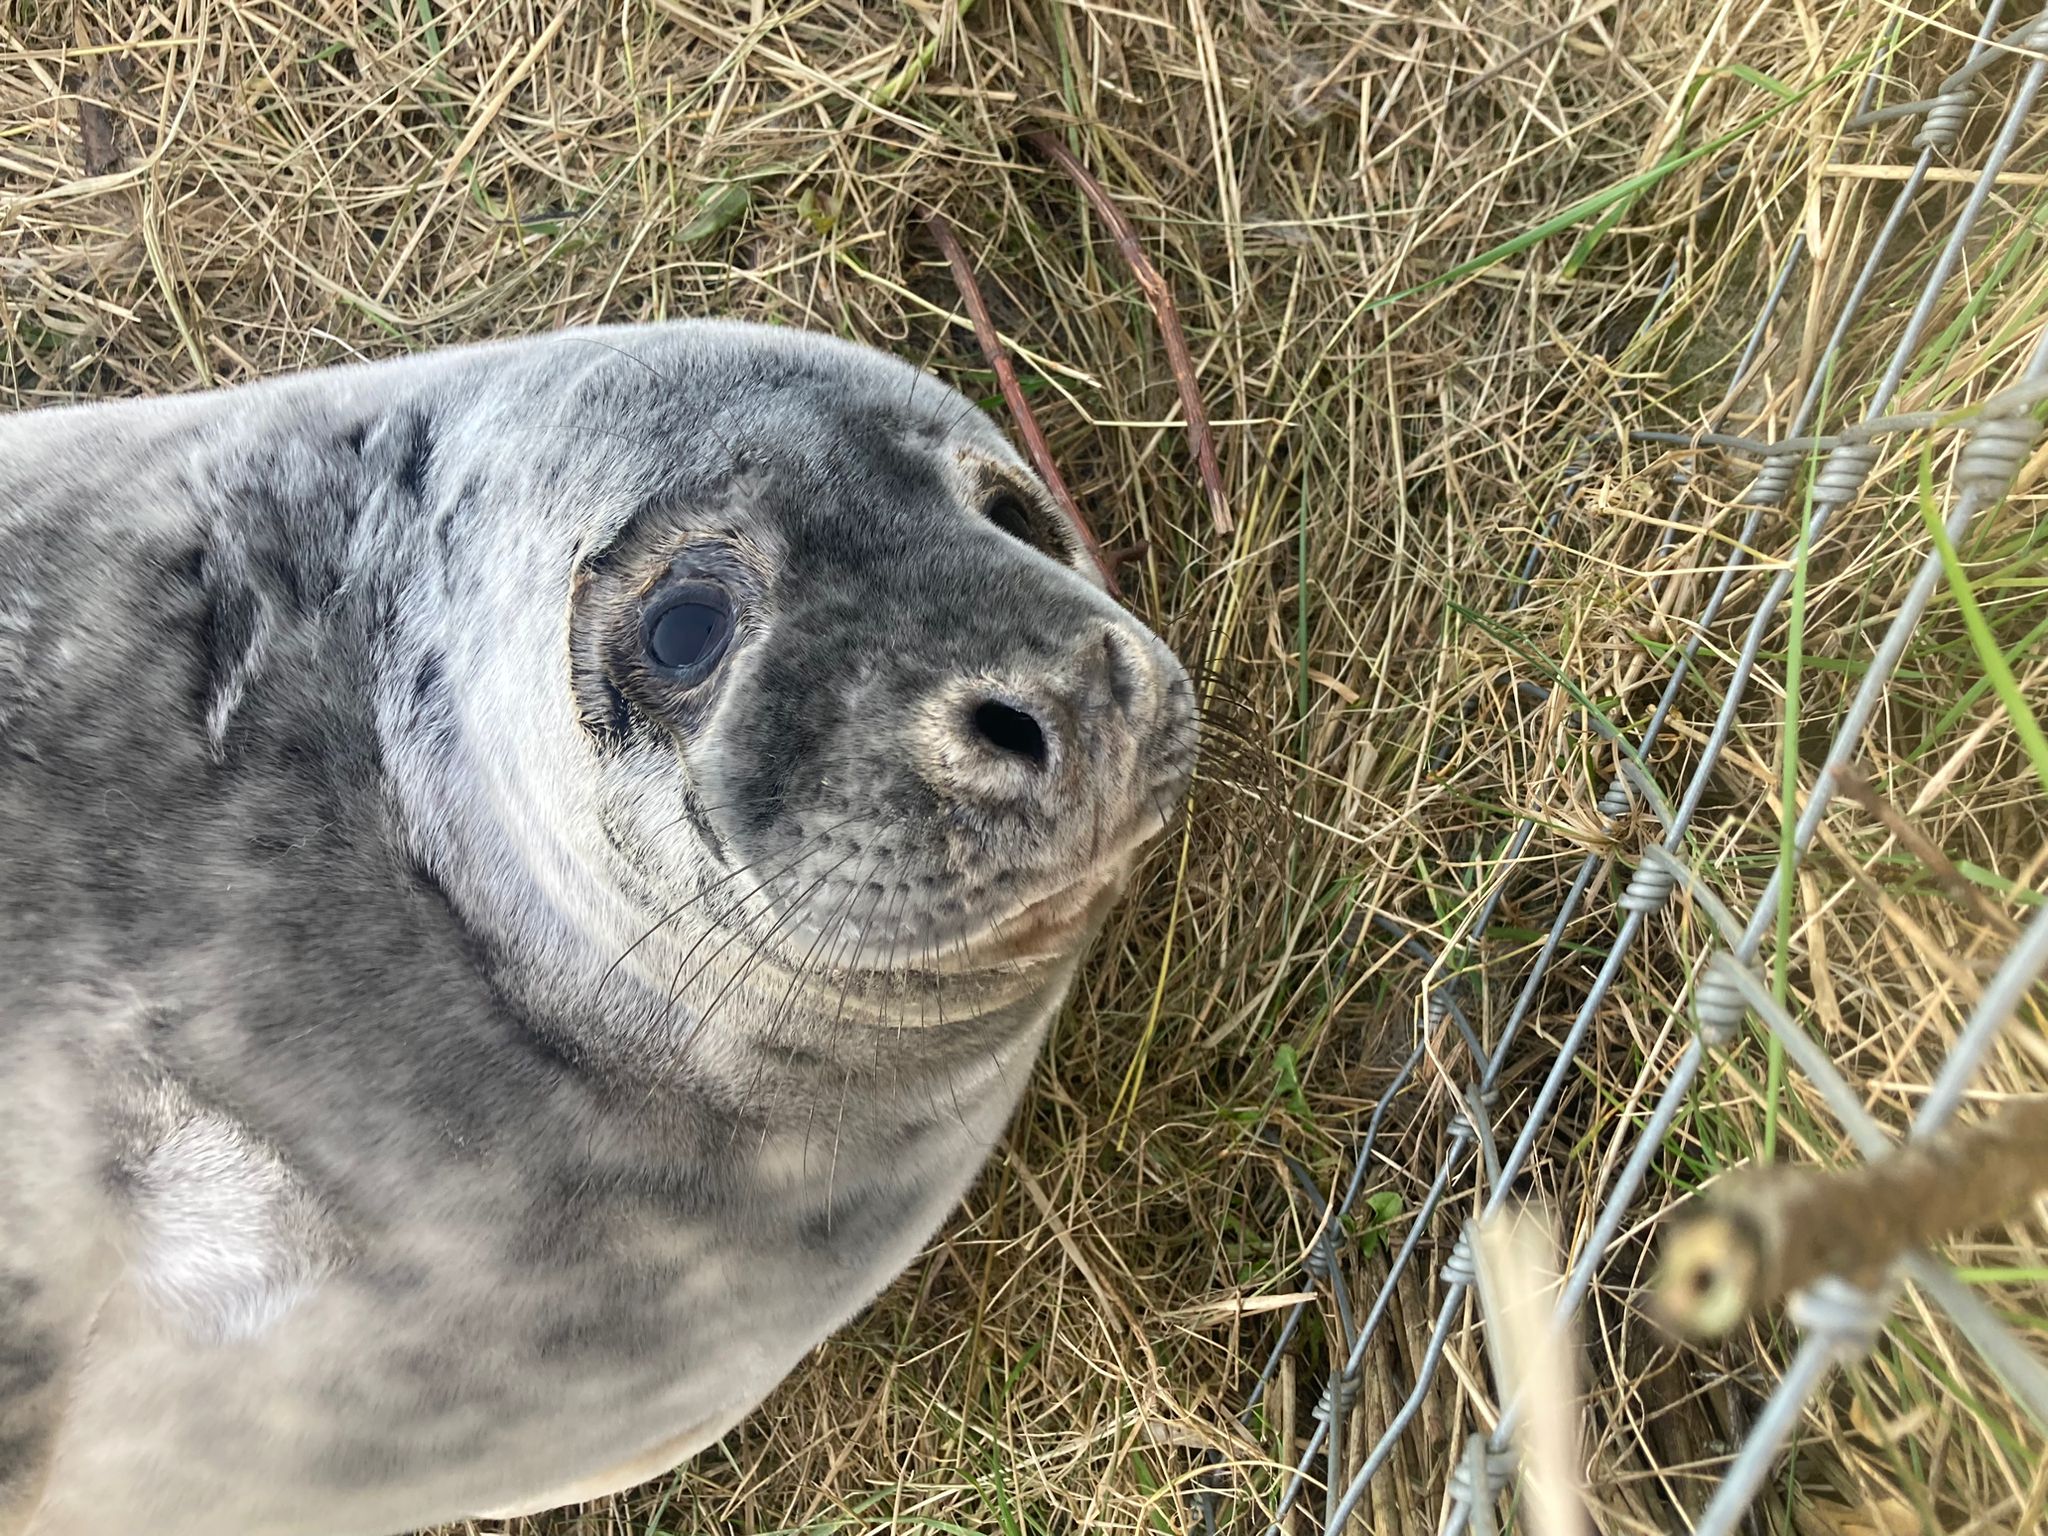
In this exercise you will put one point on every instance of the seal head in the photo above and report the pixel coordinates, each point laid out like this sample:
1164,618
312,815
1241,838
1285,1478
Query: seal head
874,673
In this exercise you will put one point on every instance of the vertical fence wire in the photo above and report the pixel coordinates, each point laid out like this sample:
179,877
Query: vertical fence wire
1838,1321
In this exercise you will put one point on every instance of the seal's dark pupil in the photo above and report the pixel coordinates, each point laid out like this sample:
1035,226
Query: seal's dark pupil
686,634
1008,514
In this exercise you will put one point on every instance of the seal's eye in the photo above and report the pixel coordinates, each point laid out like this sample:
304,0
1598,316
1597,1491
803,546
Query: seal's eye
1008,514
1027,524
687,630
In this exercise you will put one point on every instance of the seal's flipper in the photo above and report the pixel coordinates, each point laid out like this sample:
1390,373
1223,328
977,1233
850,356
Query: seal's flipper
229,1240
118,1186
223,1238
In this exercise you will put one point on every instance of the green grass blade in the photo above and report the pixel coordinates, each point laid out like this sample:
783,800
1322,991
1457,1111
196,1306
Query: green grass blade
1992,659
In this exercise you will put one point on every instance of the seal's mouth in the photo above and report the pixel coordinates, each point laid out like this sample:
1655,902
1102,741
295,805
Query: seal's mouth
1012,928
1044,928
1053,924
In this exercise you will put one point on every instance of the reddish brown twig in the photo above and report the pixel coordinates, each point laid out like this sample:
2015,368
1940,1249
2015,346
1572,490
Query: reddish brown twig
1854,784
1178,357
1035,445
1125,554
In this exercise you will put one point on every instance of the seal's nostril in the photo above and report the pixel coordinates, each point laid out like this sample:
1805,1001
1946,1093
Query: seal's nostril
1010,730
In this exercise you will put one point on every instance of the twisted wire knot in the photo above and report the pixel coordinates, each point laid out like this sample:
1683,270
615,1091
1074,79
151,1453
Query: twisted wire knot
1841,477
1648,889
1846,1316
1495,1468
1321,1259
1343,1393
1459,1111
1942,124
1462,1267
1993,452
1772,481
1717,1003
1618,801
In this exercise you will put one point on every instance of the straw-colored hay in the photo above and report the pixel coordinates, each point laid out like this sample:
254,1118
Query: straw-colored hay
197,191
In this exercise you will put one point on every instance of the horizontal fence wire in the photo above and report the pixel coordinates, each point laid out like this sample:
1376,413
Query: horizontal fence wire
1838,1321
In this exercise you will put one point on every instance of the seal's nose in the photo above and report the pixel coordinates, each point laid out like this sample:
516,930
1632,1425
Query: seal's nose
1017,735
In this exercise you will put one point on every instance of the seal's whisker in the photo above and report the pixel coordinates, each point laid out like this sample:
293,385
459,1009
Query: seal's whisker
953,1093
856,888
838,1134
703,891
797,906
698,897
966,410
854,941
839,1015
705,1015
803,851
896,937
746,967
938,986
668,381
753,959
953,1083
827,930
798,974
859,947
895,926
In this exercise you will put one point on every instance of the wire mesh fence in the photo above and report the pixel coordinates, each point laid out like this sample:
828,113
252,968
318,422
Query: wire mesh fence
1958,150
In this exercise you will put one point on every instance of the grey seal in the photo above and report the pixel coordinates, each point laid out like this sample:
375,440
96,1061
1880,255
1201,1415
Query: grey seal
532,877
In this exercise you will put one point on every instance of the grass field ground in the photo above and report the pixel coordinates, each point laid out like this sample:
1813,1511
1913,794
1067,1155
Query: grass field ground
1435,263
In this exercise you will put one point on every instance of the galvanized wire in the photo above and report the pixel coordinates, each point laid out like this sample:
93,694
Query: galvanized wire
1839,1320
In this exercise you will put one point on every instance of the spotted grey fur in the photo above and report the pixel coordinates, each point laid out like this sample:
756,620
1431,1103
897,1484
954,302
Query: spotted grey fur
441,1075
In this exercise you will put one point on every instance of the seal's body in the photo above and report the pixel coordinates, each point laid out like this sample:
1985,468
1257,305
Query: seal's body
531,879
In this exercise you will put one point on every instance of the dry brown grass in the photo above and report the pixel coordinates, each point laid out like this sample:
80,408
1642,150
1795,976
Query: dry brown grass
196,191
